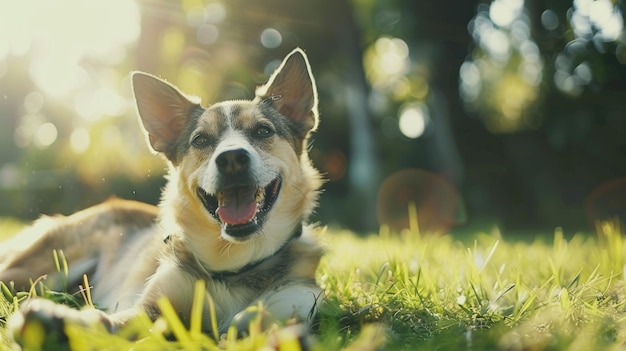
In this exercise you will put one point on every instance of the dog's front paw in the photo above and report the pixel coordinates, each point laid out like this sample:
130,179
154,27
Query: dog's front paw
252,318
40,324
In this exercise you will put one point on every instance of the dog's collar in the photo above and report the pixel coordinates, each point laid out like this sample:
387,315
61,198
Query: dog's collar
223,275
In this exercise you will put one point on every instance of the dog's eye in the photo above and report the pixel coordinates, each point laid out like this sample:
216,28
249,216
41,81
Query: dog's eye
263,131
200,141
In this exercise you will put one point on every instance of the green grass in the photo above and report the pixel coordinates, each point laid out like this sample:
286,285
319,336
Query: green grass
408,291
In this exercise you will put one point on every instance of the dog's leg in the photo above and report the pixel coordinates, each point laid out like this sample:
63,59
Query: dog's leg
86,241
41,324
295,302
29,255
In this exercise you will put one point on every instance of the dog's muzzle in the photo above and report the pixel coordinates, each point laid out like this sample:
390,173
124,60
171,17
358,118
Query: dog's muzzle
242,209
239,205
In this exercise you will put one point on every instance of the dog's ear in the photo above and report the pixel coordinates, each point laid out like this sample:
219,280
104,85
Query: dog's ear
164,111
292,92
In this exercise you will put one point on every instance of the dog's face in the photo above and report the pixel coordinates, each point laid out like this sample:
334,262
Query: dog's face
241,166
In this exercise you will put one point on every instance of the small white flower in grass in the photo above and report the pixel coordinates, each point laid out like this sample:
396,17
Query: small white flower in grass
461,300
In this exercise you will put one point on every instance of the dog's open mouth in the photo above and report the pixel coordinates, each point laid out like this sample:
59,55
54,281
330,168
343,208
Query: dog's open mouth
241,208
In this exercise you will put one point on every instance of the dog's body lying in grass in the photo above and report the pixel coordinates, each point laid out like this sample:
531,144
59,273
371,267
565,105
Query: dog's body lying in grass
233,213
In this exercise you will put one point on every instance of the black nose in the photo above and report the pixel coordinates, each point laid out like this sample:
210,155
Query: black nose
233,161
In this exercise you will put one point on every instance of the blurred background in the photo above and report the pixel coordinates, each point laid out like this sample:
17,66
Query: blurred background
504,112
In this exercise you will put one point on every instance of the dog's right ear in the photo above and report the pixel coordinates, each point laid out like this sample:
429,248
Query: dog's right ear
164,111
292,91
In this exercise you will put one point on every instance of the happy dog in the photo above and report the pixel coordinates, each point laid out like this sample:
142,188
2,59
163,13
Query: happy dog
233,213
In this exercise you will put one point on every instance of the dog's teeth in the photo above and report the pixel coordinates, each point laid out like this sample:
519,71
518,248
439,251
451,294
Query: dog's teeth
220,199
260,195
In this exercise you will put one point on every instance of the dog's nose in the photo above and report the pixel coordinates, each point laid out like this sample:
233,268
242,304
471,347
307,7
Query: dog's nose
232,162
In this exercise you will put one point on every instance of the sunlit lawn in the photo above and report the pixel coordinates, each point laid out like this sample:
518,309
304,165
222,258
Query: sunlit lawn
409,291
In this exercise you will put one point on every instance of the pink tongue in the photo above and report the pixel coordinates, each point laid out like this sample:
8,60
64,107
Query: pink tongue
238,205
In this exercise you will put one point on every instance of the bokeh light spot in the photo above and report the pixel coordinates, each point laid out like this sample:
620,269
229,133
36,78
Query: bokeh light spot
504,12
207,34
335,165
271,38
80,140
33,102
583,73
22,136
390,70
172,44
46,135
435,199
498,45
597,19
549,20
502,80
470,81
216,12
413,120
607,202
393,55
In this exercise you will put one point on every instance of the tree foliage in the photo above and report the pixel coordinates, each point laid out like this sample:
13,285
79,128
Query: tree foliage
515,106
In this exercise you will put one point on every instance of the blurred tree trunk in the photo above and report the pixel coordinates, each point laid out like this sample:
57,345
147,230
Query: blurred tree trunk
363,170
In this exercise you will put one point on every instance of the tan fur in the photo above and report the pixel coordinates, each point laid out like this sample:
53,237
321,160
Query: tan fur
79,238
134,255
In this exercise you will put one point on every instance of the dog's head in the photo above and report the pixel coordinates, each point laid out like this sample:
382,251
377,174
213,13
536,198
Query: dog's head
241,166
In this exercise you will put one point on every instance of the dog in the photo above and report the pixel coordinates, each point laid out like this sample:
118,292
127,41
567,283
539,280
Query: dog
233,215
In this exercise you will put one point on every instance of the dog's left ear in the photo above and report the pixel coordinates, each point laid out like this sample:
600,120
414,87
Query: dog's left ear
164,111
292,92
